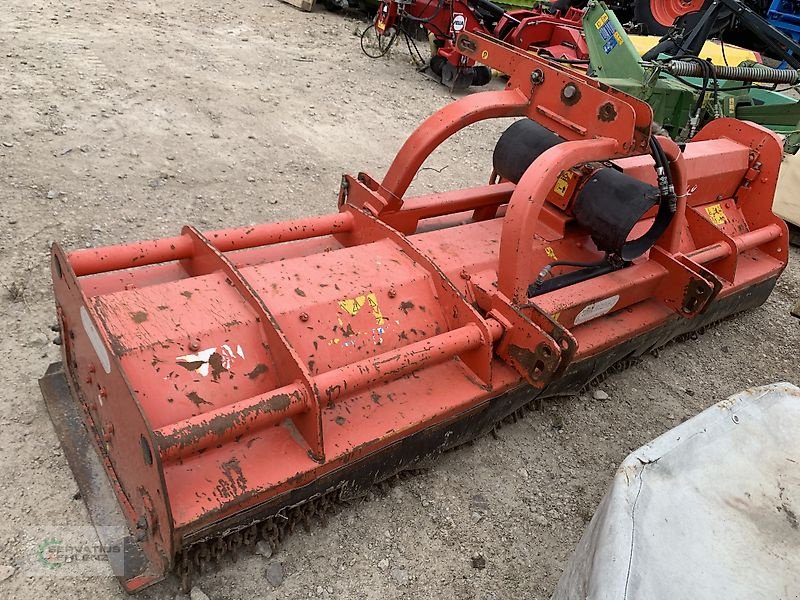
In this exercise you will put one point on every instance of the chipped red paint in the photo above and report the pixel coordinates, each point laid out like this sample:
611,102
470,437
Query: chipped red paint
247,363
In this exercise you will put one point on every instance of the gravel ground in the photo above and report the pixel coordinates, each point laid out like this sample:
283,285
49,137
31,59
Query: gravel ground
126,120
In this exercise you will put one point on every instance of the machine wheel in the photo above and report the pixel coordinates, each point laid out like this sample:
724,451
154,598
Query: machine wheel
657,16
437,63
483,75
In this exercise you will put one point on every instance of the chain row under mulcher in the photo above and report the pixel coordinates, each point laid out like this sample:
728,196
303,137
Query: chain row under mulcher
201,556
207,554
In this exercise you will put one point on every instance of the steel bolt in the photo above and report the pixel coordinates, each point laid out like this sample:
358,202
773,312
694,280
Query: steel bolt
304,317
464,274
570,91
194,346
392,293
537,77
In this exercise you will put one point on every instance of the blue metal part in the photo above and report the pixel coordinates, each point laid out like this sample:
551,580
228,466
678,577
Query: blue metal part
784,15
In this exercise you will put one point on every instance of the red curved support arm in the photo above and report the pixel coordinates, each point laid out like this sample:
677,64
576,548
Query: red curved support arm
440,126
526,202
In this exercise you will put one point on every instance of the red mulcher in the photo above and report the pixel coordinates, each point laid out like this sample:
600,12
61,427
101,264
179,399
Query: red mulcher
215,385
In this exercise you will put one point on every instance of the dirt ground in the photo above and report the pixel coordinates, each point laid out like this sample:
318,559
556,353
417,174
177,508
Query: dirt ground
126,120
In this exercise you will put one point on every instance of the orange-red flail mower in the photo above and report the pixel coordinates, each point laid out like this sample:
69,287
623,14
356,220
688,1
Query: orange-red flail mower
213,382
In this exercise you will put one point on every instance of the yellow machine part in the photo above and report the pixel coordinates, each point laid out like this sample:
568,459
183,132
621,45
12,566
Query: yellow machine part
711,50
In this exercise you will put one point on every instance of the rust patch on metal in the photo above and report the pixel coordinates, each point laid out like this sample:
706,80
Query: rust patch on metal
196,399
186,293
259,369
233,482
116,344
217,427
191,366
406,306
333,392
299,292
340,420
607,112
217,368
278,403
139,316
534,364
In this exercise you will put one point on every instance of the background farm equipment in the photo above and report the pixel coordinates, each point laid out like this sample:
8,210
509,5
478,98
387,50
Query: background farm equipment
553,31
657,17
220,387
686,92
550,33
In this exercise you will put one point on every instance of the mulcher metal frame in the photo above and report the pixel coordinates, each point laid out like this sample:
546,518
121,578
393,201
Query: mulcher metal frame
223,377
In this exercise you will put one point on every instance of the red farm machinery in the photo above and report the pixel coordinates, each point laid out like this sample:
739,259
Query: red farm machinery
216,388
552,33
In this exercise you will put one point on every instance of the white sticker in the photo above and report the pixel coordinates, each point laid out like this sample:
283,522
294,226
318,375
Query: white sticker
459,22
201,362
598,309
96,340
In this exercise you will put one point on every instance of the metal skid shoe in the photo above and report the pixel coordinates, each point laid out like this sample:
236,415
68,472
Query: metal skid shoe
216,387
456,78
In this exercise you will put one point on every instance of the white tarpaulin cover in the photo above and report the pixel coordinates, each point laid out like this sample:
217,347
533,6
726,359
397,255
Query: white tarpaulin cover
708,510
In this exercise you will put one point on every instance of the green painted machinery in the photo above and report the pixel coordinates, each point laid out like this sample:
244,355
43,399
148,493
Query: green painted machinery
685,93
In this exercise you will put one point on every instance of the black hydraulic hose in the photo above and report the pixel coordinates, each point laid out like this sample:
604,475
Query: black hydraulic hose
439,5
382,50
494,11
567,279
545,272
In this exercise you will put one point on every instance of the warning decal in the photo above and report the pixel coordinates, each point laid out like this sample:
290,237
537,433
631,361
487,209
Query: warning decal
563,183
352,305
716,214
611,37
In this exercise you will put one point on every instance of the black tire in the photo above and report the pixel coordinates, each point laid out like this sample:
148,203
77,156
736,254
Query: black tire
483,75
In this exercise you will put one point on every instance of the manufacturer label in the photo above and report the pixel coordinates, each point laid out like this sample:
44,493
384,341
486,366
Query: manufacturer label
596,309
459,22
716,214
95,340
